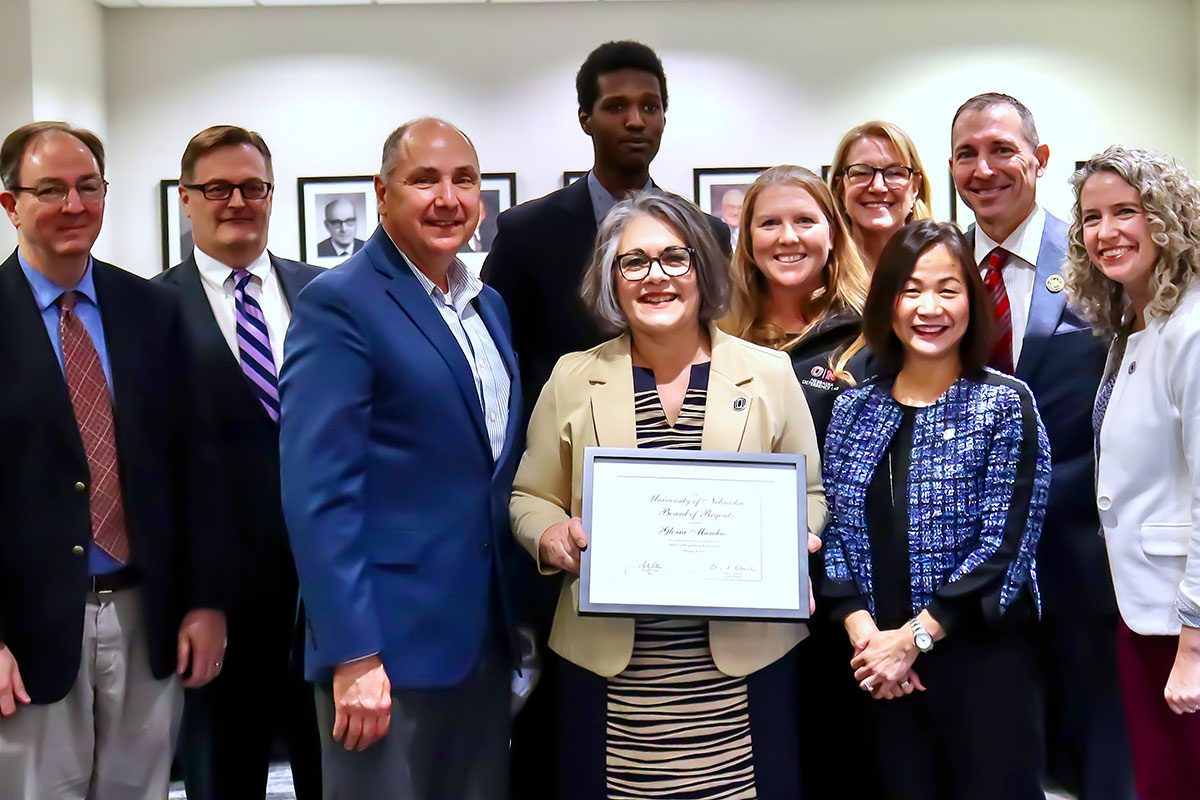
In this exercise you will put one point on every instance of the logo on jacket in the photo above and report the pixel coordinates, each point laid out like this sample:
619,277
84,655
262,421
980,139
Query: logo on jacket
740,403
1055,283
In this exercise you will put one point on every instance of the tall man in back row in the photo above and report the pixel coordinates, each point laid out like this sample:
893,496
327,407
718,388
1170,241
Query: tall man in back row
237,301
996,159
111,531
536,264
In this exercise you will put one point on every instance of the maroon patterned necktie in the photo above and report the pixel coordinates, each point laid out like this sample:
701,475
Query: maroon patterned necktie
93,415
1002,353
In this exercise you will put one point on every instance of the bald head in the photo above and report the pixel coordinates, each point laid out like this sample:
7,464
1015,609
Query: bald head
424,128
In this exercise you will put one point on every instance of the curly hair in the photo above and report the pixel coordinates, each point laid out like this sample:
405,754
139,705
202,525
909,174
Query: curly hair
845,277
1171,202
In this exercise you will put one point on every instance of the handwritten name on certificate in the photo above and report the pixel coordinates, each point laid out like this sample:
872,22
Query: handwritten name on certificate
707,534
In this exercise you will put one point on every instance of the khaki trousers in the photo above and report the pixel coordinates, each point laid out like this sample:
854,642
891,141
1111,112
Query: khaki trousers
113,735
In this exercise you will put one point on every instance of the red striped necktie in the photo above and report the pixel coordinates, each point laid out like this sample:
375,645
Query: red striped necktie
1002,353
93,414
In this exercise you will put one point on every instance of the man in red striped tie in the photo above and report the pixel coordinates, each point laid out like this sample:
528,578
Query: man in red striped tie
996,159
111,532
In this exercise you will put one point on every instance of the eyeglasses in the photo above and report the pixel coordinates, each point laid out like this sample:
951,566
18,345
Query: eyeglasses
253,189
673,261
894,176
90,190
352,222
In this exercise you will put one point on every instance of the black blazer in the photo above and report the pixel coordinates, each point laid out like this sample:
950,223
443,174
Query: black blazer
246,441
176,518
536,264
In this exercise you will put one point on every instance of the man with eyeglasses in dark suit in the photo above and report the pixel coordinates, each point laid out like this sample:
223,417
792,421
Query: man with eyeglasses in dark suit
237,301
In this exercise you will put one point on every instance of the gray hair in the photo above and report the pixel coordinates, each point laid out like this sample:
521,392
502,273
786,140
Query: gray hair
1170,199
391,145
599,288
982,102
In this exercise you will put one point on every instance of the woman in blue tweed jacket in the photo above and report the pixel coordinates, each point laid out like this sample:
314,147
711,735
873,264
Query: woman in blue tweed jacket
936,474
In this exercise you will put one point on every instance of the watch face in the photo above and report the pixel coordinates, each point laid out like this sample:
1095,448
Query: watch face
923,641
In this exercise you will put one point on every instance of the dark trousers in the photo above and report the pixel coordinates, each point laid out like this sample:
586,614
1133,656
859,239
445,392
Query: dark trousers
230,725
442,744
974,732
1087,748
1166,746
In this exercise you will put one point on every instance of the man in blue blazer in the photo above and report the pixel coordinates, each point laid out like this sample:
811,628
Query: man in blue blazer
996,159
399,440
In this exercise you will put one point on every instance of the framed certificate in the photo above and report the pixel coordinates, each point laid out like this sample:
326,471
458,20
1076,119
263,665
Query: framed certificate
694,534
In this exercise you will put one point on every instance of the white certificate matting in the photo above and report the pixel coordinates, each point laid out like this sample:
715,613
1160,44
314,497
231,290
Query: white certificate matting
694,533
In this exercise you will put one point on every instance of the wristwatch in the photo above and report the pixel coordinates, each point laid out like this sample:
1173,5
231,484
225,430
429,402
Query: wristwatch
921,637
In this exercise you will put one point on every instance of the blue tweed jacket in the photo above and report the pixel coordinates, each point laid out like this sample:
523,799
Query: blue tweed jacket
977,489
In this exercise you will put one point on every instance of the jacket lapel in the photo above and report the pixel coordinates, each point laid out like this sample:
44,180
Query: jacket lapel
500,338
728,406
409,294
612,395
1045,307
21,316
289,282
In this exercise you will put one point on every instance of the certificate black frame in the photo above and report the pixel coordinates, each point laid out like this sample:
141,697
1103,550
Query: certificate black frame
795,460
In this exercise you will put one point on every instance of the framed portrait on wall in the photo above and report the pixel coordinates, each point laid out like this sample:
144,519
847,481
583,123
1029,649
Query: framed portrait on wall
572,175
960,212
497,193
720,190
176,227
337,215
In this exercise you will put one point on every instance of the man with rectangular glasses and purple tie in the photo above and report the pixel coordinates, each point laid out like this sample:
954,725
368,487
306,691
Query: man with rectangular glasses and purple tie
237,302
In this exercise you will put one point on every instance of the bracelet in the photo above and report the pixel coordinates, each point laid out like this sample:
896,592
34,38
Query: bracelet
1189,612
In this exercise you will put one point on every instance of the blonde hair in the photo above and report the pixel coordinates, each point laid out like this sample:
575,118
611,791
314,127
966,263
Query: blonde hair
845,277
904,147
1171,202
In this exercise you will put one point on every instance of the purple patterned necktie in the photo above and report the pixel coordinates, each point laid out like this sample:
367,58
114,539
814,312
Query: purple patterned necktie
254,345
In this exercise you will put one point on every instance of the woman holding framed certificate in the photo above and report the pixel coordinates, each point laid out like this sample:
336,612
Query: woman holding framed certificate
663,706
937,473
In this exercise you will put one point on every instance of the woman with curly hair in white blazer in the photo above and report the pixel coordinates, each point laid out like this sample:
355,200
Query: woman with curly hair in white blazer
1135,272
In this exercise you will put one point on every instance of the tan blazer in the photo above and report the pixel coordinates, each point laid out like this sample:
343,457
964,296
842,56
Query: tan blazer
588,402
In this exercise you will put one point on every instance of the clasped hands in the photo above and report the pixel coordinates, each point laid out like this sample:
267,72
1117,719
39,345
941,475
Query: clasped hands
563,542
883,660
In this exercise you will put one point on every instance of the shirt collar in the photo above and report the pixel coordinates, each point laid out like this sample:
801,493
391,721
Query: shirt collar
464,285
46,292
215,273
1024,242
602,199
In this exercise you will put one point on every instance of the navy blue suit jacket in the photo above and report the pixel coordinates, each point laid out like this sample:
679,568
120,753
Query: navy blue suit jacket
1061,361
397,512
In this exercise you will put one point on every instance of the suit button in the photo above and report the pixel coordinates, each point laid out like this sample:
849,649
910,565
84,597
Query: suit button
487,547
78,550
80,486
1104,502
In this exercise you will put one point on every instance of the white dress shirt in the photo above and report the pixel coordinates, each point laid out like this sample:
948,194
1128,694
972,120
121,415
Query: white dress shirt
218,283
1019,272
493,384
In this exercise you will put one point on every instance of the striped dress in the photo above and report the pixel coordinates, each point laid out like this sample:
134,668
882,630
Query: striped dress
677,727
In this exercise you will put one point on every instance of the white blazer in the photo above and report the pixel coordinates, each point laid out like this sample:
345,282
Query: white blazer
1148,475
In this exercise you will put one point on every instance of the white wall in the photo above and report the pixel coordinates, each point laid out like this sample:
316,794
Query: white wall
751,82
16,96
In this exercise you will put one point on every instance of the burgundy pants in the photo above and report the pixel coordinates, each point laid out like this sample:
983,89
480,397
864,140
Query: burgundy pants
1166,746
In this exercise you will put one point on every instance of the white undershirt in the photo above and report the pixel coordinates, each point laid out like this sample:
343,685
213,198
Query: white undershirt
1019,272
218,283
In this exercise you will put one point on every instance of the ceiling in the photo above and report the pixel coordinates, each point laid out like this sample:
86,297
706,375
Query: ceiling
228,3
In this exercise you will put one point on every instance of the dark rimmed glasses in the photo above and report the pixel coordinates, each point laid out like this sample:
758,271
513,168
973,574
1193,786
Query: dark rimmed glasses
895,176
253,189
673,261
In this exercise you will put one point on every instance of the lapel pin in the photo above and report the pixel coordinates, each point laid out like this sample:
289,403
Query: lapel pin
739,404
1055,283
948,434
1132,367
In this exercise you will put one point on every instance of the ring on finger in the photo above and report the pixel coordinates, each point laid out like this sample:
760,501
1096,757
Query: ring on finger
866,685
906,684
